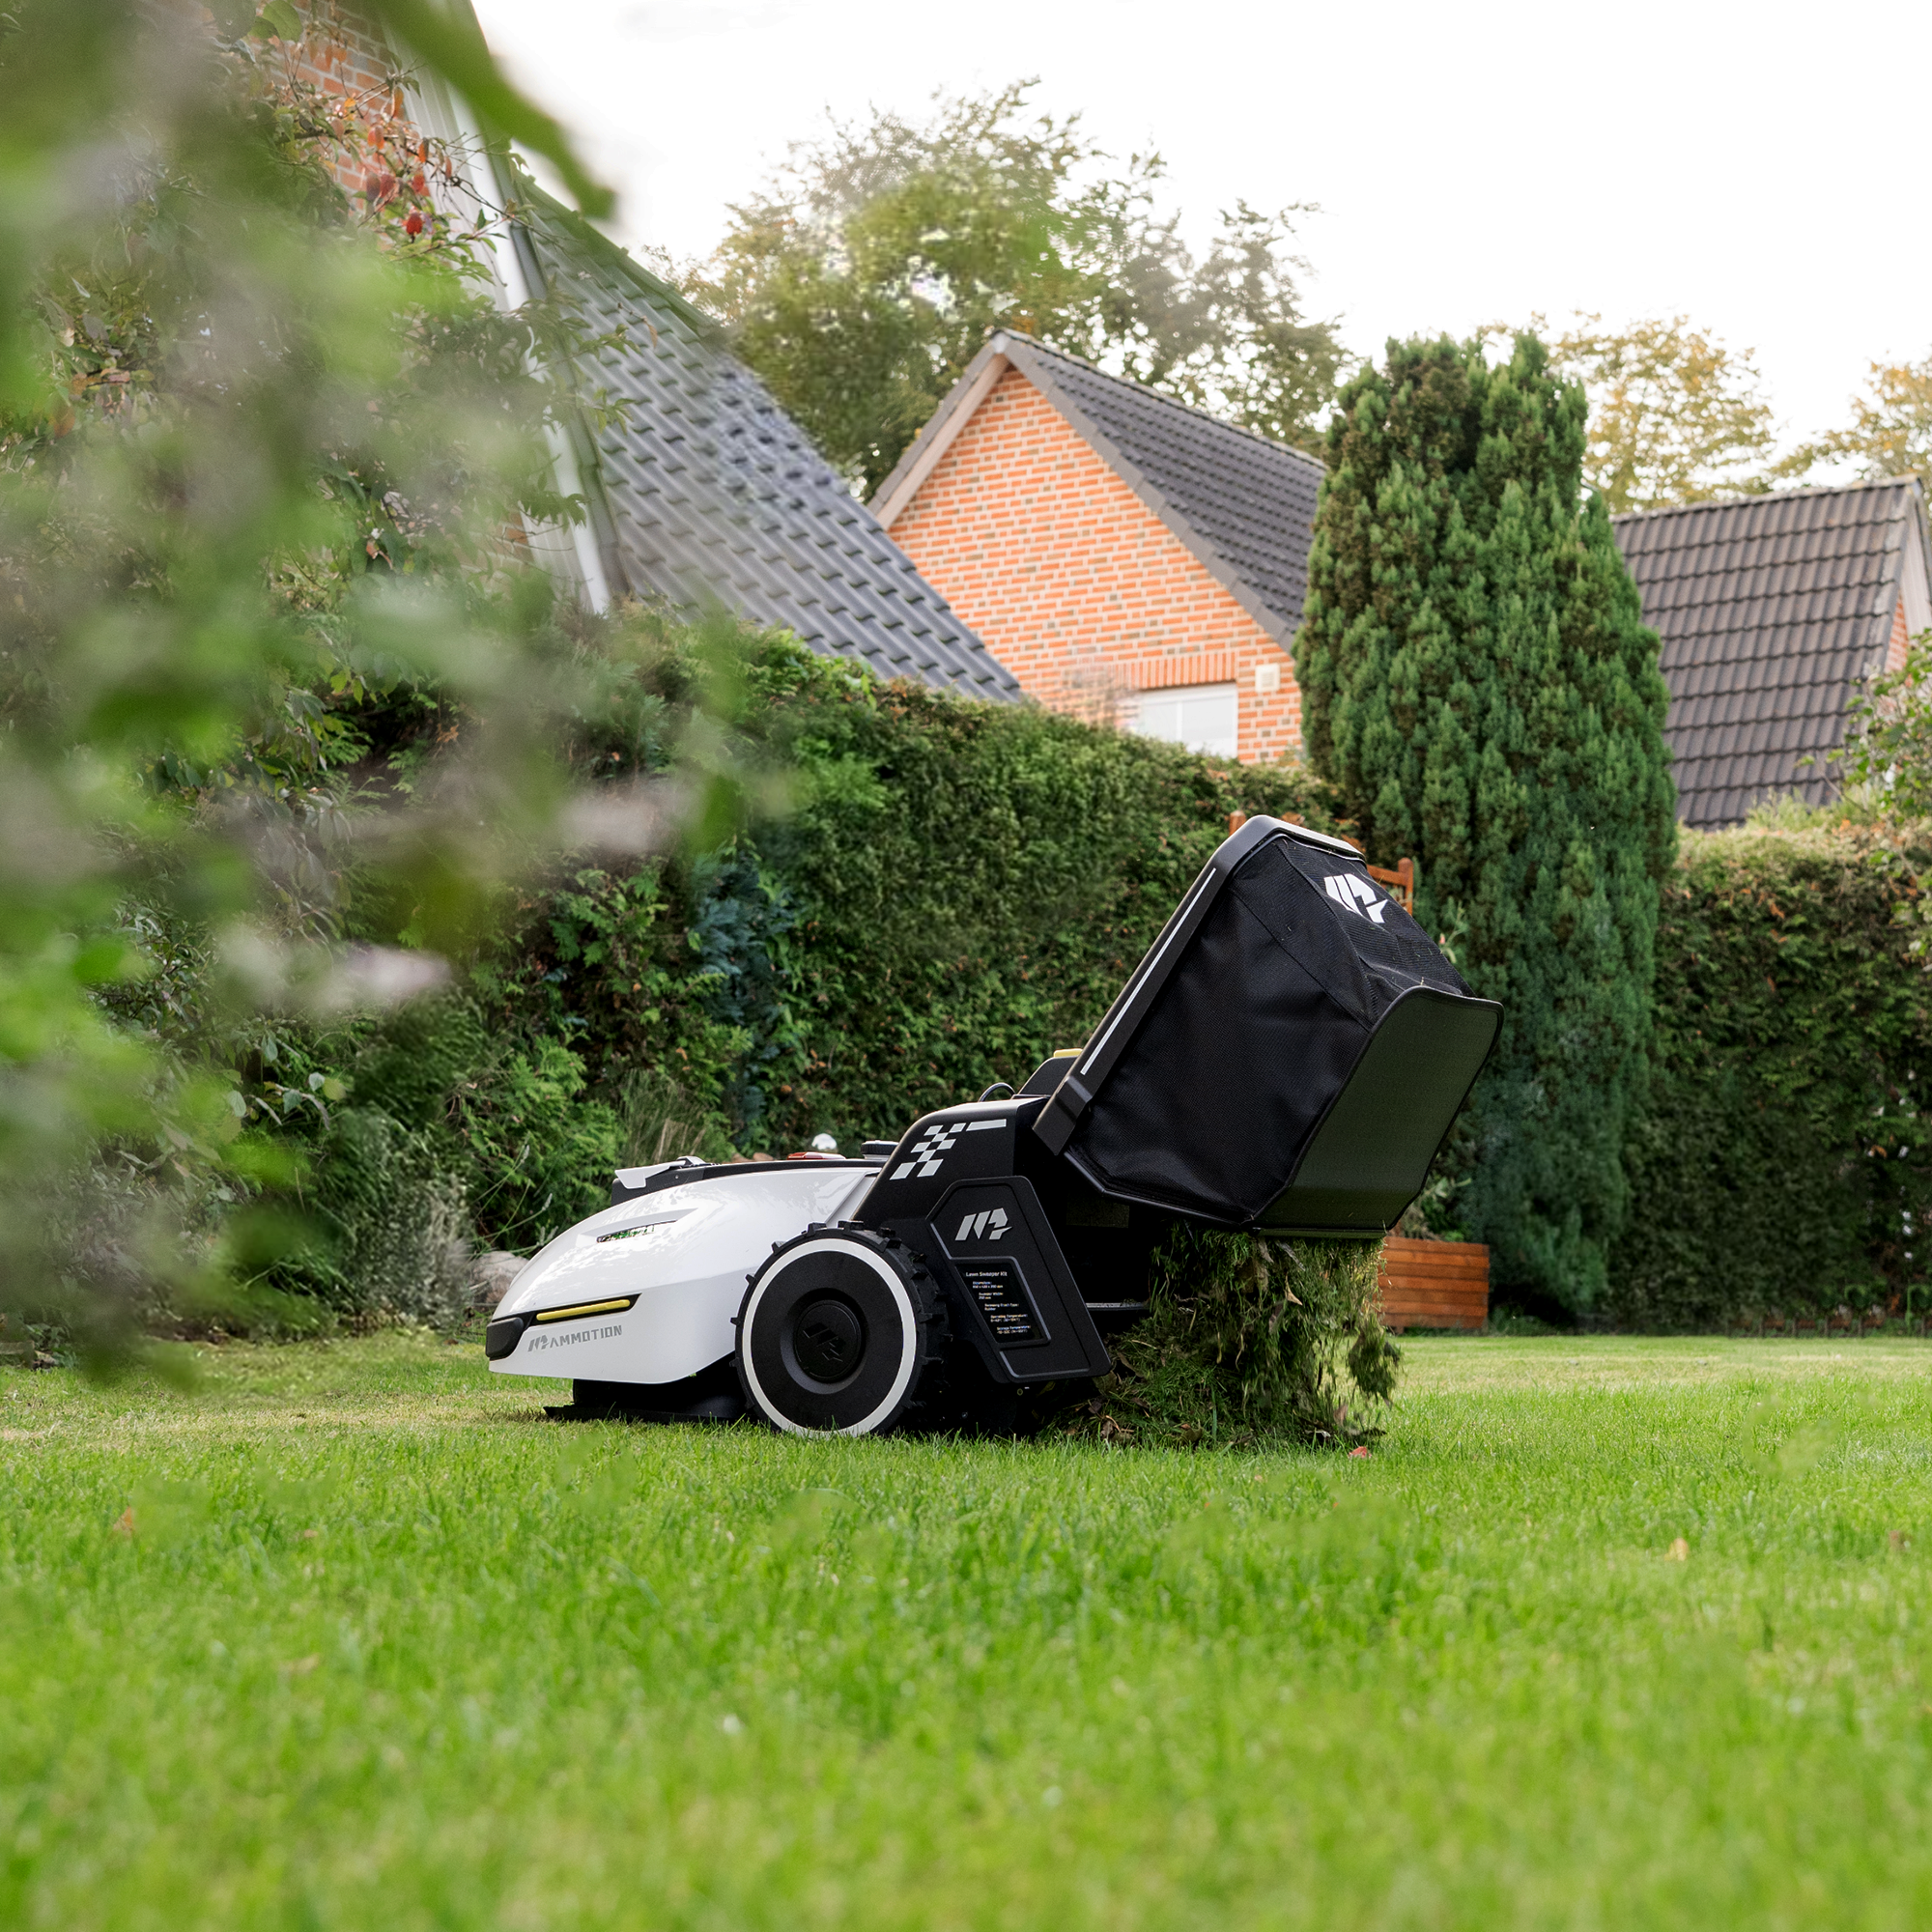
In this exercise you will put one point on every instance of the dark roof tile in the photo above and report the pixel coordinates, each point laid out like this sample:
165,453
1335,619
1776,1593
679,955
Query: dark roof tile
714,492
1771,611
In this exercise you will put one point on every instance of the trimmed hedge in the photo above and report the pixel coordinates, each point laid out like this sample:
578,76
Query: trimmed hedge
955,891
949,892
1783,1159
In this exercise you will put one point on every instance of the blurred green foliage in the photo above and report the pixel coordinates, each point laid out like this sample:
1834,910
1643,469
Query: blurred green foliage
261,443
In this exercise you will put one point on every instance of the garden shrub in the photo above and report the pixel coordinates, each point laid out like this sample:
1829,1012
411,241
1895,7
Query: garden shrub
454,1137
390,1230
1781,1160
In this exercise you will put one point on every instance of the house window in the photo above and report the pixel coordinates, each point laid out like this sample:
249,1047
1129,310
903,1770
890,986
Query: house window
1202,717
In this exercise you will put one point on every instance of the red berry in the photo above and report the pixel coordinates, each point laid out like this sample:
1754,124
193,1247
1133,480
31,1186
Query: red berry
414,226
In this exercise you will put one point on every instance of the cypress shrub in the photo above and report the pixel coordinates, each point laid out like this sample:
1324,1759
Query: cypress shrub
1783,1161
1478,685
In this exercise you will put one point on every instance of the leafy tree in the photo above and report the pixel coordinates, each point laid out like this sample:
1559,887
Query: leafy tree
1891,432
872,270
1479,685
1675,416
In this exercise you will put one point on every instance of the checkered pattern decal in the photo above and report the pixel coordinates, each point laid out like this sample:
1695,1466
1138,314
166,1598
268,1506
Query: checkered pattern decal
928,1151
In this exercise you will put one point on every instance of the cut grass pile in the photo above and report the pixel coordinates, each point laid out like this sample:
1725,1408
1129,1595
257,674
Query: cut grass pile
1608,1633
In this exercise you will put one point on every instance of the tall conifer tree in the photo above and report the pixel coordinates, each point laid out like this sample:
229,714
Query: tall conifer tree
1477,678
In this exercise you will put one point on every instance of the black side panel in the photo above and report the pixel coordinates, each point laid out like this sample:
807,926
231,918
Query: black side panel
1007,1278
973,1142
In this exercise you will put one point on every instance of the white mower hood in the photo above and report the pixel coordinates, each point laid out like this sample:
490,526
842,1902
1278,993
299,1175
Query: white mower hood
646,1292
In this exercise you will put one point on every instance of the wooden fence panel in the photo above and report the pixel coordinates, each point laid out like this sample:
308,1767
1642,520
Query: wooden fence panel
1435,1284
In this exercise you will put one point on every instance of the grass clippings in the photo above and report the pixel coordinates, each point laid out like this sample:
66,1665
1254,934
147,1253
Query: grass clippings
1250,1339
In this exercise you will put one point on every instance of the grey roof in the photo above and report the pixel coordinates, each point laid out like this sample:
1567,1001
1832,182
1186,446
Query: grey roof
709,489
1244,505
1771,611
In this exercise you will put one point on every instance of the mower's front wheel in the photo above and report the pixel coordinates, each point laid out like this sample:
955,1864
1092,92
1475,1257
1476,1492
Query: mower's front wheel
835,1332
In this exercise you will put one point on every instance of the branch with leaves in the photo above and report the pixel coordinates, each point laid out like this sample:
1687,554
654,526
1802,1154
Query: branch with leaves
1890,431
267,620
1676,417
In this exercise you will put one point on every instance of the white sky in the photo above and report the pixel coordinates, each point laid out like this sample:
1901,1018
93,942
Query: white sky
1761,169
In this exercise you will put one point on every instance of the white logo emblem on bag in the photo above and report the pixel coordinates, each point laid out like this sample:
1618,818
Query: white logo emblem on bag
1357,895
991,1223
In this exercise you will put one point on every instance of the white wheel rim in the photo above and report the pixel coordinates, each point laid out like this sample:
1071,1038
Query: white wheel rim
909,1336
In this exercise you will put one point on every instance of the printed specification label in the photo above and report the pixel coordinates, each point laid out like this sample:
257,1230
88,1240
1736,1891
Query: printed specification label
1000,1289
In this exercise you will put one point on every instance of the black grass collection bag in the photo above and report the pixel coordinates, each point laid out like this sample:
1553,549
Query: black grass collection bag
1288,1056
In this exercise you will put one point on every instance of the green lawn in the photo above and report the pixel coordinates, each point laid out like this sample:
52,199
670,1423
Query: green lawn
386,1649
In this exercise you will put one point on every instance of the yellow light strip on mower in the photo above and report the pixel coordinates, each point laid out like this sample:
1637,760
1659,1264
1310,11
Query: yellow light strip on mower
616,1307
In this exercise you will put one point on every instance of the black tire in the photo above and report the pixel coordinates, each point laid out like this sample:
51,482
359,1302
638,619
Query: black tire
836,1333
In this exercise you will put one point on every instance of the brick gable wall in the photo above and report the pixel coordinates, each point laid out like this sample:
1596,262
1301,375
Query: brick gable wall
1901,640
1078,588
343,55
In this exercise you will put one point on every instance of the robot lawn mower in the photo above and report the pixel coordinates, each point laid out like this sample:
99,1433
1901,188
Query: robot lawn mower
1288,1058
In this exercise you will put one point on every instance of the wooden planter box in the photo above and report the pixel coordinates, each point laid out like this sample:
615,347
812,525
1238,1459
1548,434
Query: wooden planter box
1435,1284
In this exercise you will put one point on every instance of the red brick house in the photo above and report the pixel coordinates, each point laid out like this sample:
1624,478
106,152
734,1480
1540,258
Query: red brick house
1124,556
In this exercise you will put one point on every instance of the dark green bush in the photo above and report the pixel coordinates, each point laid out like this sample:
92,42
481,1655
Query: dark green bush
1783,1158
1479,683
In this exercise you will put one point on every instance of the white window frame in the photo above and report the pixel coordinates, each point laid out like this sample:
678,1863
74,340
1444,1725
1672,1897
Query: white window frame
1206,718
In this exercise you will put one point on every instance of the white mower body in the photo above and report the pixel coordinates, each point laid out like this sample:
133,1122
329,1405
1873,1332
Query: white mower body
646,1292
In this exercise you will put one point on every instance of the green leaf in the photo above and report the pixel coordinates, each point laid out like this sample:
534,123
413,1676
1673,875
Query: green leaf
277,21
451,45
